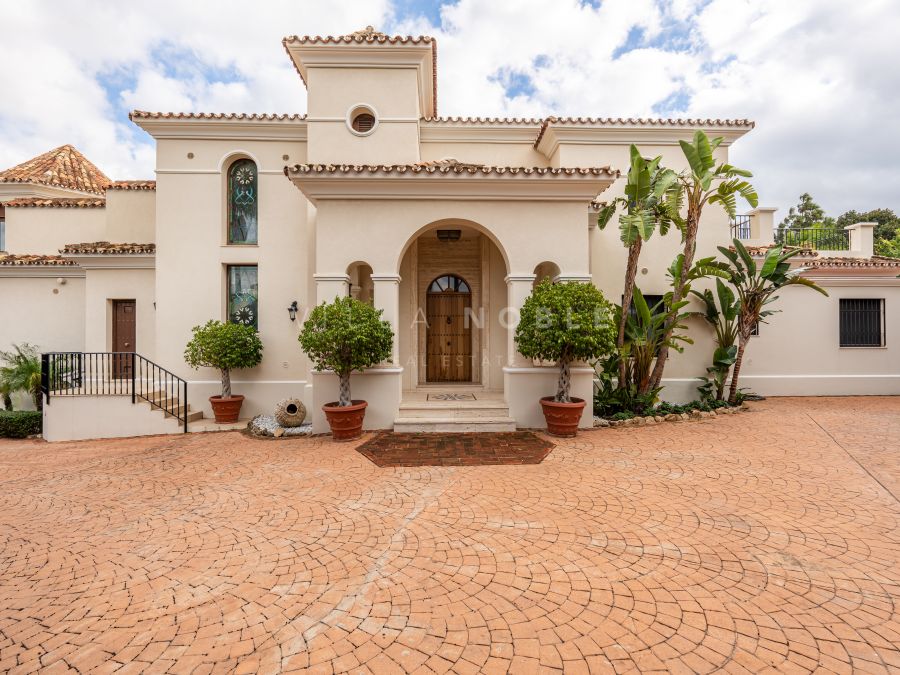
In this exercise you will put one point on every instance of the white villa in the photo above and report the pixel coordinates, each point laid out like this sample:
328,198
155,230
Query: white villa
372,194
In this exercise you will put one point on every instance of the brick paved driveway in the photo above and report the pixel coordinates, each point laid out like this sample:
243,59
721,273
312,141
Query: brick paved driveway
768,539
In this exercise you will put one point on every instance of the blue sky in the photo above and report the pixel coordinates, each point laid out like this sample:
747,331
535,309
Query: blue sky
825,107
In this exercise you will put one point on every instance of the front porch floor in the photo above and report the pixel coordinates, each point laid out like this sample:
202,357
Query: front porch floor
766,541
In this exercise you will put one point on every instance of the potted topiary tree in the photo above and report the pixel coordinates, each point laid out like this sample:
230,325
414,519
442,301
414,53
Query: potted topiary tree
565,322
224,346
346,335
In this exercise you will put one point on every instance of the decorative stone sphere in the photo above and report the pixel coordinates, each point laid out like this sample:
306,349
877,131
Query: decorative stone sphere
290,412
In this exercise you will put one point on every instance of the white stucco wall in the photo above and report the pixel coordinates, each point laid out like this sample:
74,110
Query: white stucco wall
45,230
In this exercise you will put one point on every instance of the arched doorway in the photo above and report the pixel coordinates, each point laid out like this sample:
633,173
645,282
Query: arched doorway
448,340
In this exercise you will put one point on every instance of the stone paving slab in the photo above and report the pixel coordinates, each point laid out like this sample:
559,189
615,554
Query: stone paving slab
387,449
767,541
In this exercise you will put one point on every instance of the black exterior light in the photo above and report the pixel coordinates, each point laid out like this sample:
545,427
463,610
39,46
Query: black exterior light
449,235
292,310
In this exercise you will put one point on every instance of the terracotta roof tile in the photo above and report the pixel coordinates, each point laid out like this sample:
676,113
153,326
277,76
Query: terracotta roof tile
761,251
40,202
106,248
369,35
268,117
689,122
23,259
133,185
875,262
533,121
62,167
445,167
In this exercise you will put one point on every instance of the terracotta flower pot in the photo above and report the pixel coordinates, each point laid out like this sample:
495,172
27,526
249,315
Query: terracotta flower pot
562,418
346,423
226,410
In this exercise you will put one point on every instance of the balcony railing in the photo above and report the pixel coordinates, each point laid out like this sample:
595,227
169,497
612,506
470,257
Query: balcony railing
818,238
740,227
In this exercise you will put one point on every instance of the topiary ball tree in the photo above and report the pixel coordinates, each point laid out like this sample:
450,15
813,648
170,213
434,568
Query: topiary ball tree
565,322
346,335
224,346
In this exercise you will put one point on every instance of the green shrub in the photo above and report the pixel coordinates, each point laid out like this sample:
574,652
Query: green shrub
224,346
566,322
623,415
20,424
346,335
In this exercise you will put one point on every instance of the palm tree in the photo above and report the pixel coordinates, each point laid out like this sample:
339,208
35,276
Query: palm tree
755,286
704,183
22,371
651,195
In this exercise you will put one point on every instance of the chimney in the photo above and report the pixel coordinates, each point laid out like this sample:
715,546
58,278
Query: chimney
862,240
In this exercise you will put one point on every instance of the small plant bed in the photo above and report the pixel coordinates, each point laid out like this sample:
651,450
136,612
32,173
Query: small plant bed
671,412
20,423
267,426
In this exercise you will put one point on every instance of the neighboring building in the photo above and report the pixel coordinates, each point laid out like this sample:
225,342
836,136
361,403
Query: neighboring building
427,217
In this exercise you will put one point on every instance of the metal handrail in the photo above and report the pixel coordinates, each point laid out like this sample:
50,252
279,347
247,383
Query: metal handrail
740,227
819,238
114,374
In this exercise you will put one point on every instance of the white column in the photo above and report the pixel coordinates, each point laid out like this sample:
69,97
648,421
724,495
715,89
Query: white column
518,288
762,225
331,286
387,298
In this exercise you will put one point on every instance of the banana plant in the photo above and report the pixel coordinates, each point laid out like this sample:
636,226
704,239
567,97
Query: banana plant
723,317
755,286
705,182
652,195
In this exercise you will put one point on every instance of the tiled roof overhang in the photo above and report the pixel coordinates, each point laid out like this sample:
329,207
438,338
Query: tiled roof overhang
33,260
449,179
106,248
38,202
133,185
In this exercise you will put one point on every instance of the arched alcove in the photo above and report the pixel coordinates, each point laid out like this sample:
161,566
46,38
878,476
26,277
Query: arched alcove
360,285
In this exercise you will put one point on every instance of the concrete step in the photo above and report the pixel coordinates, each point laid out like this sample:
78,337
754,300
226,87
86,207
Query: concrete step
174,405
455,409
443,425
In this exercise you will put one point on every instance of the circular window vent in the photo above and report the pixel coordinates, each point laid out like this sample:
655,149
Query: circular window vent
362,120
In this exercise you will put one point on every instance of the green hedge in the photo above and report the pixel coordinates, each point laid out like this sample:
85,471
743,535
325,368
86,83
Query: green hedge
19,423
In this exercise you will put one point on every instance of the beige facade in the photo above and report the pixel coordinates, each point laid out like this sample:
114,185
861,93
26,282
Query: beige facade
350,200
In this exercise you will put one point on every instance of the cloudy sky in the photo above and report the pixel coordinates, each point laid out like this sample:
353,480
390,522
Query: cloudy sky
820,77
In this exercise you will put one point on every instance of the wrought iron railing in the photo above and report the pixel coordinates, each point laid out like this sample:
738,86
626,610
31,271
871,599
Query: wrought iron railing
114,374
740,227
818,238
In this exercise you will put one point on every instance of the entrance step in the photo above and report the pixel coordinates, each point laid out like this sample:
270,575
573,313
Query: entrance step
454,409
424,414
444,425
161,401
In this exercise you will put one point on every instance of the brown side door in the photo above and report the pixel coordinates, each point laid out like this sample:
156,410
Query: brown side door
123,336
449,341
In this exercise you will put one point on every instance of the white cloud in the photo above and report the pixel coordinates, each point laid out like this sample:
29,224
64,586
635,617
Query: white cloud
817,77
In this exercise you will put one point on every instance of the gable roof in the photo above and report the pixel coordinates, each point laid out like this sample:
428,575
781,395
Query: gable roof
62,167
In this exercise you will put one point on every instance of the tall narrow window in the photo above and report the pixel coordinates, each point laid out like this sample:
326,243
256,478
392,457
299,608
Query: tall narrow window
243,295
242,202
2,234
862,322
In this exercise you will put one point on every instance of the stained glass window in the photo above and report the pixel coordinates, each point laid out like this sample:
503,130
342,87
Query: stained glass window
243,295
242,202
448,282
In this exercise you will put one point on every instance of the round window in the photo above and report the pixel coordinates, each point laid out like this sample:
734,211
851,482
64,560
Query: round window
362,120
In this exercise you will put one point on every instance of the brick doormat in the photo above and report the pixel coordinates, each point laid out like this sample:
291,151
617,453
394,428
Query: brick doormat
474,449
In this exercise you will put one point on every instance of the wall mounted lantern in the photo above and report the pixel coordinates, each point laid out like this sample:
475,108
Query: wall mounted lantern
292,310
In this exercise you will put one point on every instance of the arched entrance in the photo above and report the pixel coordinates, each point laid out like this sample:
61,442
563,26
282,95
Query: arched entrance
448,339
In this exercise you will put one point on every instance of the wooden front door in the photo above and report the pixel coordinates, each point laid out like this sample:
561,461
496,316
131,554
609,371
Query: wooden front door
449,337
123,336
